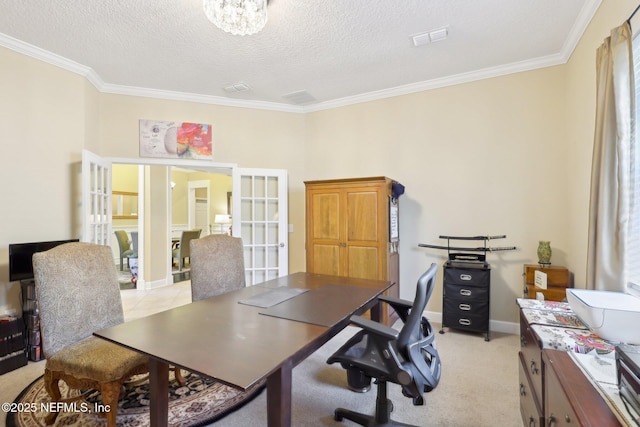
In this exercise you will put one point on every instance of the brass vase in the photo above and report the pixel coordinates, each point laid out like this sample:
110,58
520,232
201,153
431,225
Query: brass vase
544,252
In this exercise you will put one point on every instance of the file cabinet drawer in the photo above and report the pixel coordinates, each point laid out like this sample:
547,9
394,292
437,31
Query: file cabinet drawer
466,276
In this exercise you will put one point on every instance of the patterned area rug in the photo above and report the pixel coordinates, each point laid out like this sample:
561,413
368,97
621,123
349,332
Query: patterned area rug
199,402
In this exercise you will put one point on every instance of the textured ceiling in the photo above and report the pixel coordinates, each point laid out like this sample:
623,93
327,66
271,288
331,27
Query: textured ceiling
338,51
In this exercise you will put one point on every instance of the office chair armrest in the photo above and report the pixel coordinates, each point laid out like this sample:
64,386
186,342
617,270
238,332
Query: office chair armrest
375,327
396,301
400,306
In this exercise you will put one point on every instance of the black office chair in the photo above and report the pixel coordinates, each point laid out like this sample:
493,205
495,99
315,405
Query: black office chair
407,357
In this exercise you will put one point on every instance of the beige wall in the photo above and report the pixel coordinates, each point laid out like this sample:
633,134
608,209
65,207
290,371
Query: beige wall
505,155
43,129
480,158
219,186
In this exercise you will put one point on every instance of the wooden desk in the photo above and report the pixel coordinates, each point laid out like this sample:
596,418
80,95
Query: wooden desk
236,344
570,398
553,389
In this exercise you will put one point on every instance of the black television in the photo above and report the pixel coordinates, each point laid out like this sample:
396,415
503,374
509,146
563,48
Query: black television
20,254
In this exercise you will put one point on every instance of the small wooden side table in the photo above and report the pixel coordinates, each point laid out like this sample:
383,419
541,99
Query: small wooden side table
558,280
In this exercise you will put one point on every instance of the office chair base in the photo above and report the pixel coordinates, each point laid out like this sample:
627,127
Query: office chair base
382,418
366,420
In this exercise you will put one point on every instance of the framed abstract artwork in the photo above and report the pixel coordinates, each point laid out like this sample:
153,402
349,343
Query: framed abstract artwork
175,140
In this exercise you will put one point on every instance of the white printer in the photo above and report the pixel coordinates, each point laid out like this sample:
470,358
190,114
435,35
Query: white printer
614,316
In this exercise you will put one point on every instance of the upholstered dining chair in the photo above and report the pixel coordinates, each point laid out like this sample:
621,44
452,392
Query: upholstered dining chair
407,357
125,247
217,266
78,294
184,248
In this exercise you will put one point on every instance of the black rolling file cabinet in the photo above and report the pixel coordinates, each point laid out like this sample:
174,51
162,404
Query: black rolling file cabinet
465,296
466,284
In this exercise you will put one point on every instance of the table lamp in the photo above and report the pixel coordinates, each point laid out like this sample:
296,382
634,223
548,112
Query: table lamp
222,219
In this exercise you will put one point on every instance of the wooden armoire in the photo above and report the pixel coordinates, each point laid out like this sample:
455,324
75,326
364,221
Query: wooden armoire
352,230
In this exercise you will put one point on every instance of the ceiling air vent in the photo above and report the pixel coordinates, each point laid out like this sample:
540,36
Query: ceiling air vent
300,97
429,37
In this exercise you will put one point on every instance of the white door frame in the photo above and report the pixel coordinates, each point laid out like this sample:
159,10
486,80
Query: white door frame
280,242
202,165
193,186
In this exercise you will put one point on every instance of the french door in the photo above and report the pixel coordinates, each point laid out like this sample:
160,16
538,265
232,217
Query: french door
96,199
259,211
260,218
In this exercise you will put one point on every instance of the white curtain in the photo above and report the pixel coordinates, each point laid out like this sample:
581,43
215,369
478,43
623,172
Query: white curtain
610,173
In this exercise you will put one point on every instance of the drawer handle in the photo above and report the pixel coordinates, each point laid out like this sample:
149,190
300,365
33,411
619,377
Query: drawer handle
523,390
465,307
465,292
465,322
523,341
466,277
534,368
551,421
532,422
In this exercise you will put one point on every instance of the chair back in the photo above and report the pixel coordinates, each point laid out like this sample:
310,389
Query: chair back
217,266
78,293
411,331
185,242
134,241
123,240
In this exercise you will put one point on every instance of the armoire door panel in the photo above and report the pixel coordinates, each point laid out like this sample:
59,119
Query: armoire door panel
326,213
362,216
347,231
363,262
326,259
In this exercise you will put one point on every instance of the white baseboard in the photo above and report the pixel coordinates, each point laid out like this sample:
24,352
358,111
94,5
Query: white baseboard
156,284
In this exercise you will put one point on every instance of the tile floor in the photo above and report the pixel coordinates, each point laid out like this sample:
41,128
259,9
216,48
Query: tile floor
140,303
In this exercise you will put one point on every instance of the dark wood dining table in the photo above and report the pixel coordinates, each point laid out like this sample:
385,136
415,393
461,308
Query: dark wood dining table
240,344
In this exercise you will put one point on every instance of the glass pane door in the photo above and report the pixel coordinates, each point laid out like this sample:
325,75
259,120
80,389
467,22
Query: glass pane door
96,199
260,206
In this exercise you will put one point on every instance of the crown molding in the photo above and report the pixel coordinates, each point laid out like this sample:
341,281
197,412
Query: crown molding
486,73
87,72
202,99
50,58
585,16
578,29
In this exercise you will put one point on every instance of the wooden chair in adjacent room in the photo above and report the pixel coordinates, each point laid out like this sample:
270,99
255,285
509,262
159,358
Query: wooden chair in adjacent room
78,294
124,245
183,251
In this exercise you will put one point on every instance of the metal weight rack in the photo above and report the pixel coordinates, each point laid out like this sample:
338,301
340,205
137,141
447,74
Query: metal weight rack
467,283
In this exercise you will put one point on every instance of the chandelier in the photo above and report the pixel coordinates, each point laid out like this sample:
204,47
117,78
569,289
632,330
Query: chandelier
239,17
